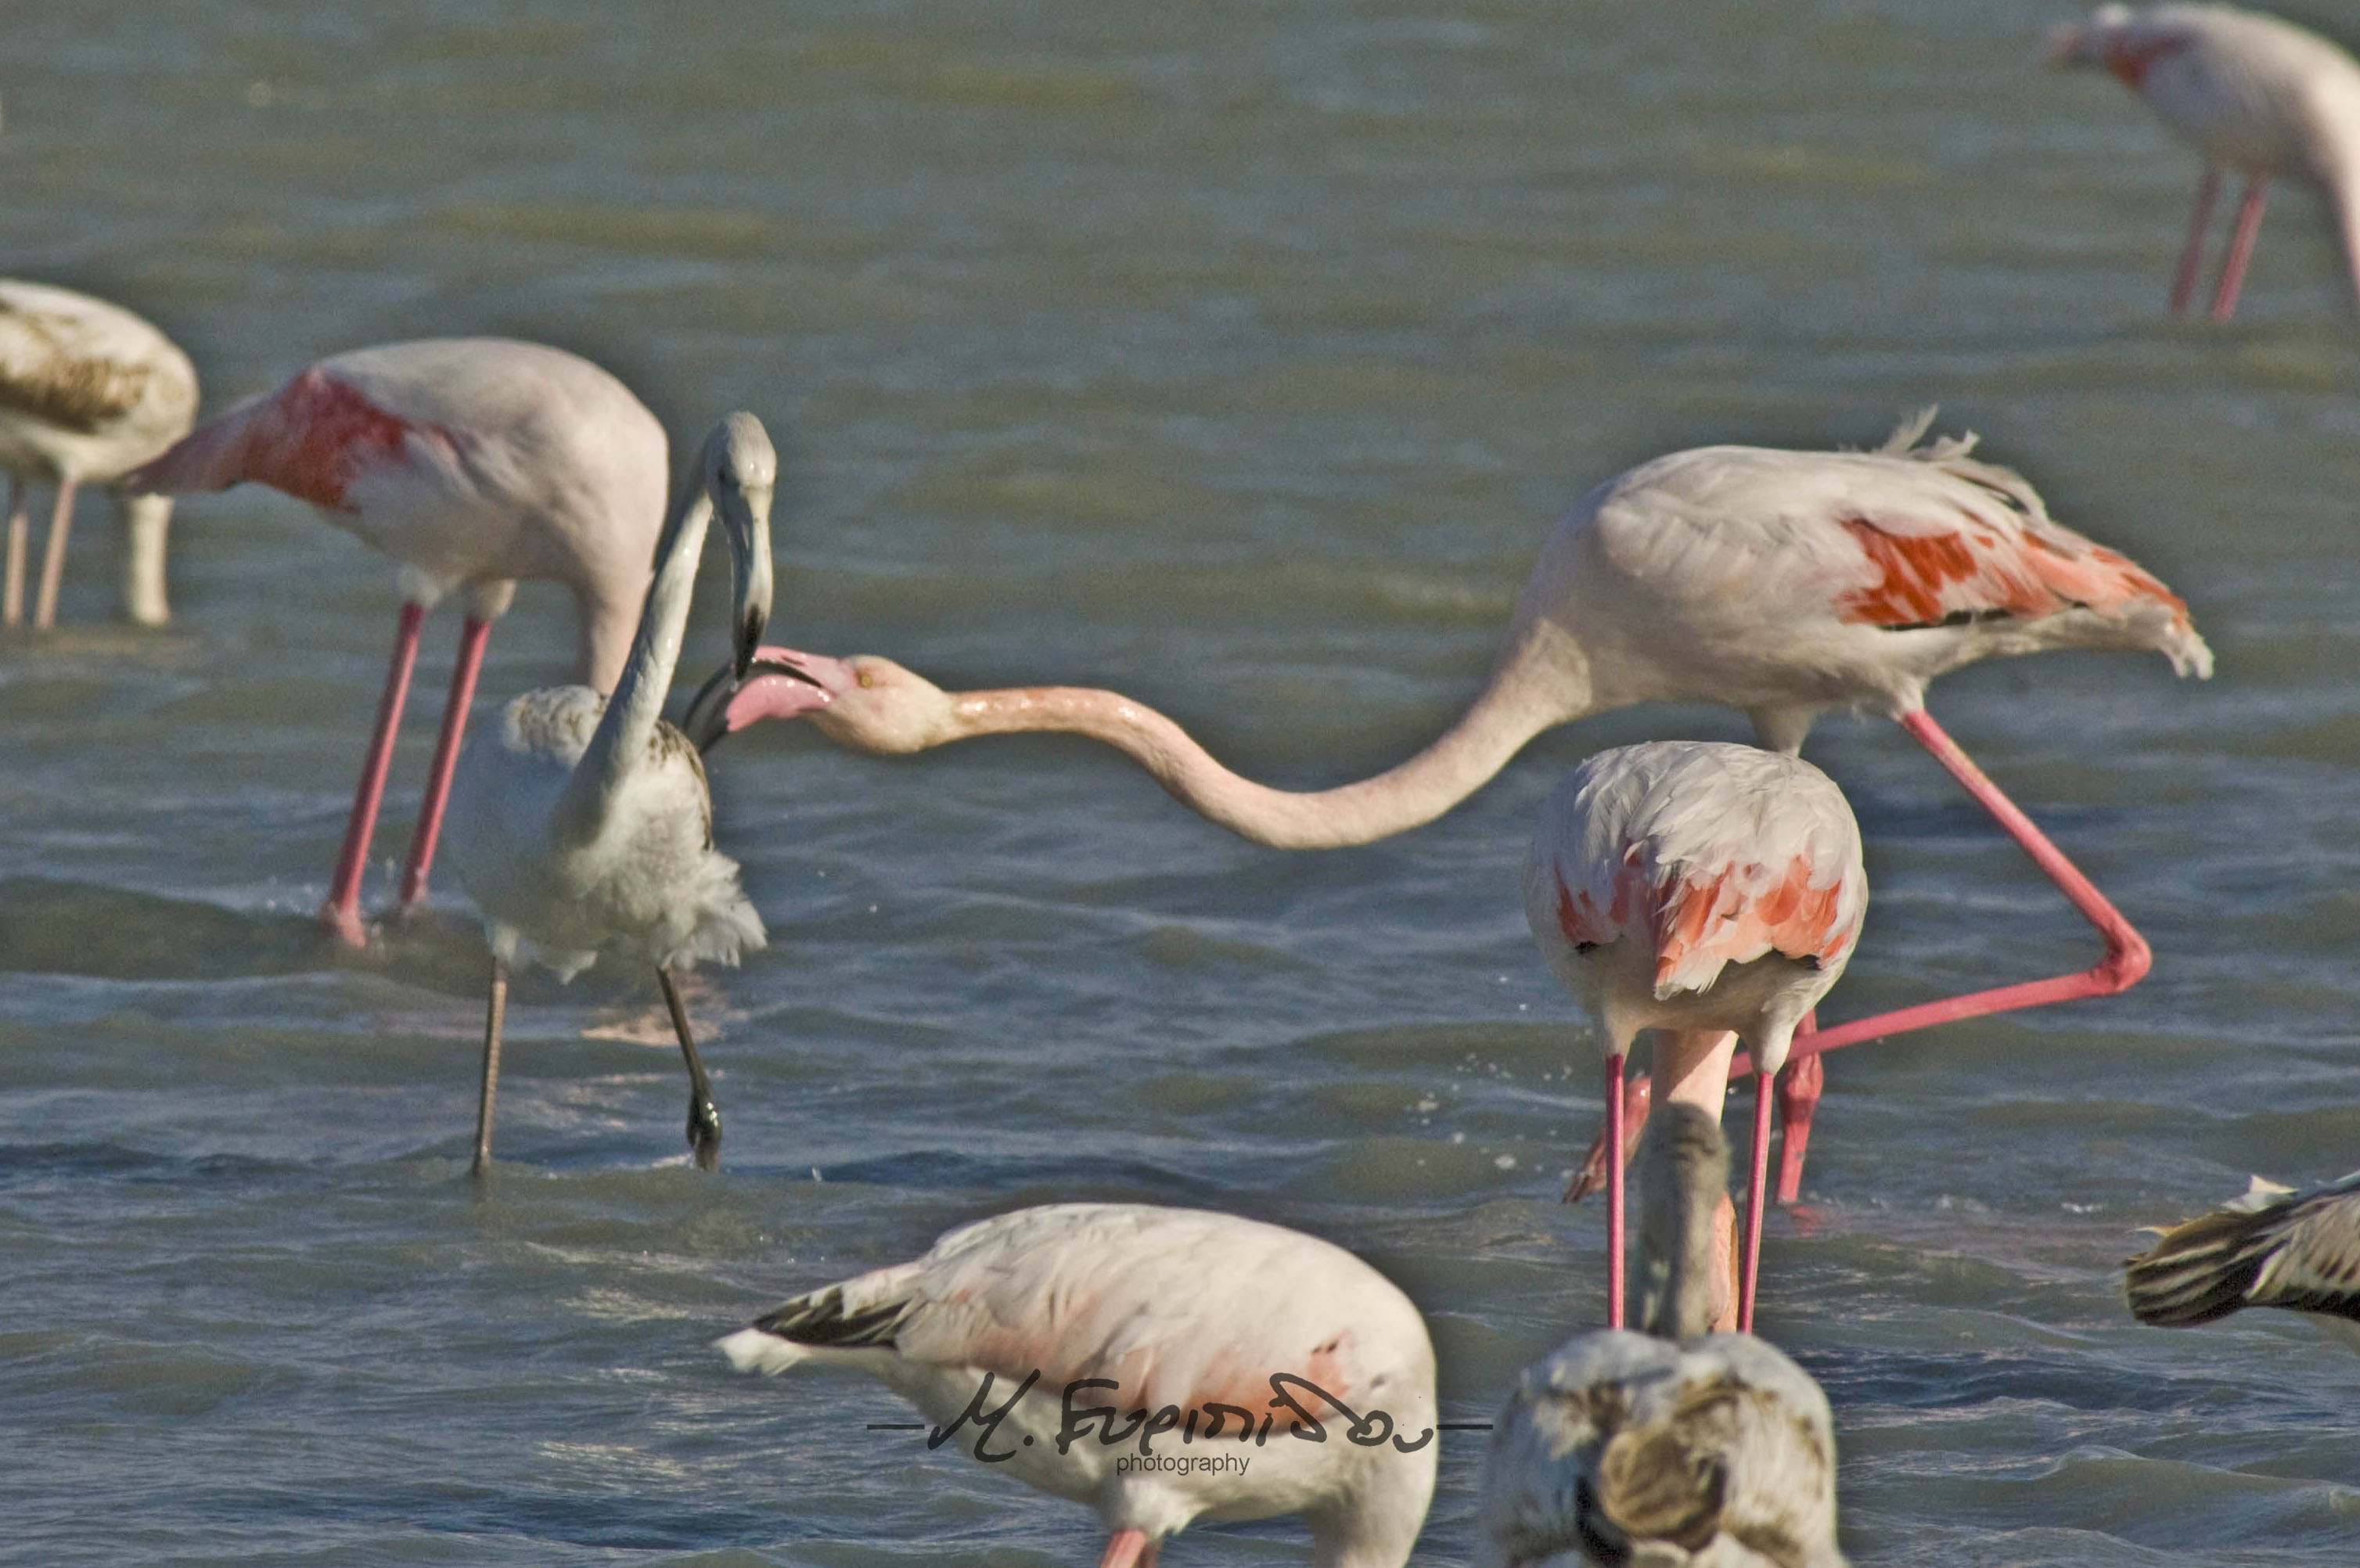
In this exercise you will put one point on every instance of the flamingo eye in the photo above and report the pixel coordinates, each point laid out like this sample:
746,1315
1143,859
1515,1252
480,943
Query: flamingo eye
867,680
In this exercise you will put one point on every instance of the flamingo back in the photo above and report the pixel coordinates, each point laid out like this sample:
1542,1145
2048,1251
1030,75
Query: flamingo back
86,387
1703,855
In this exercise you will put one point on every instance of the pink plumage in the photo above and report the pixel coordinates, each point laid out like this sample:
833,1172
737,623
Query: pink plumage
2256,95
1205,1316
473,463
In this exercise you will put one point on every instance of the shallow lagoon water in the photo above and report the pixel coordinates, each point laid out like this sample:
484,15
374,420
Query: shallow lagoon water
1237,357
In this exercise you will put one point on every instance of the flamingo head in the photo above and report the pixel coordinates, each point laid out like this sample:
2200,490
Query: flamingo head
865,703
741,475
2085,43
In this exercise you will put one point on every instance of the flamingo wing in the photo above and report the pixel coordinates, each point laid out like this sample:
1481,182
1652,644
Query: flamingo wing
85,367
2298,1252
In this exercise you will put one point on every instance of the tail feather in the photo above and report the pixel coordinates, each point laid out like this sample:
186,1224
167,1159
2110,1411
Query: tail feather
822,1320
2202,1270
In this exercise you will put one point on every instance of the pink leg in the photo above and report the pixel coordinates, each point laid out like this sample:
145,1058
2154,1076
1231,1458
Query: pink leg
1637,1092
2241,251
342,912
53,558
1799,1098
2191,256
1615,1145
446,758
1748,1267
1128,1548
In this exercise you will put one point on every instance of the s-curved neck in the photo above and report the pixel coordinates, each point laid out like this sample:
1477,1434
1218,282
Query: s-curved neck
1518,702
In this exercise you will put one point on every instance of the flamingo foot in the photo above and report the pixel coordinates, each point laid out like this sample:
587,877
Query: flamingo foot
345,924
704,1132
1799,1087
1638,1093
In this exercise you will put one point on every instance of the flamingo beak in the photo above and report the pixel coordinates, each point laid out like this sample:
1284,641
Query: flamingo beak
777,683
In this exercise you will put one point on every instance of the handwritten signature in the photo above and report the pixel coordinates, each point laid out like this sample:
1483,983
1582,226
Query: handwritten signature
1080,1421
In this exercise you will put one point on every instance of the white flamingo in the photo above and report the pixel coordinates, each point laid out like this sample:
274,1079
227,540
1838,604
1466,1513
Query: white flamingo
581,823
473,463
88,392
2273,1247
1695,888
2254,95
1782,583
1712,1451
1219,1341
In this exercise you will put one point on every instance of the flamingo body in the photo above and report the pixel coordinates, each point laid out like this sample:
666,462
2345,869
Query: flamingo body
1690,885
470,462
648,885
88,392
1182,1310
473,463
2270,1248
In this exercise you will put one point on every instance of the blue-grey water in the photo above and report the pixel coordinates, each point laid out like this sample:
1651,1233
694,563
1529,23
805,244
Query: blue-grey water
1236,356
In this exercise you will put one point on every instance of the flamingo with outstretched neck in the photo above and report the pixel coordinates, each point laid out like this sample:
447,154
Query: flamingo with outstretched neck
1782,583
88,392
1175,1336
474,463
2256,95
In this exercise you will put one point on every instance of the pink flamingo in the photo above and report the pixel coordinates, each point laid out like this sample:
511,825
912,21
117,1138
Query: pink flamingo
473,463
2254,95
1695,888
1173,1334
1782,583
87,391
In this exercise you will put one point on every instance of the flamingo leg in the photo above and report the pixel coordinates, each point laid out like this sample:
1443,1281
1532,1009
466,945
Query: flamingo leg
1749,1271
342,912
1590,1177
703,1115
1798,1096
494,1013
2192,254
53,557
446,758
2241,251
12,597
1614,1162
1129,1548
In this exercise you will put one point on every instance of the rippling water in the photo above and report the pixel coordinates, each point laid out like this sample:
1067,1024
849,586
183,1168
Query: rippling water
1236,356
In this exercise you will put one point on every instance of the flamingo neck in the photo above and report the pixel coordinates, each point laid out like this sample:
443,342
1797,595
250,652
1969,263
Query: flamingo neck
1512,707
1683,1174
629,723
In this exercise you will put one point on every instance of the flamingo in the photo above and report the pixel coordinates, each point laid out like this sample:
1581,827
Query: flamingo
473,463
1684,1448
2254,95
88,392
1158,1365
1782,583
2273,1247
1697,889
582,823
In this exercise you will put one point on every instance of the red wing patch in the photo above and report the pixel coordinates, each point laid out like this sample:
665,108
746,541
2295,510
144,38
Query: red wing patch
2129,62
1709,919
1973,571
321,435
